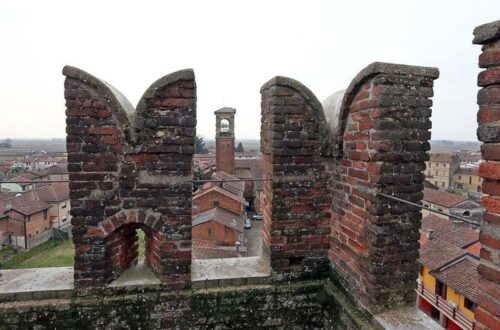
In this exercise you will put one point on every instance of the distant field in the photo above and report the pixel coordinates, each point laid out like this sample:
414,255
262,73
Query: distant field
44,255
48,255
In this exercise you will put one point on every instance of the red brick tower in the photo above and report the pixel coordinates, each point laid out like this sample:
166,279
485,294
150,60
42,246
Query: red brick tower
224,139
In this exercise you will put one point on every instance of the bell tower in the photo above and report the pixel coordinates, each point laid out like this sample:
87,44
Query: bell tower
224,139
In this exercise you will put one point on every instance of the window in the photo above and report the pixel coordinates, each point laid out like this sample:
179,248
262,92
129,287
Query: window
437,172
440,289
215,204
426,205
441,210
470,180
45,215
435,183
469,304
442,184
37,232
420,269
63,205
224,126
459,177
466,214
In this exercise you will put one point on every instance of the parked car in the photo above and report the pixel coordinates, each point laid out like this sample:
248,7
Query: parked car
248,224
258,217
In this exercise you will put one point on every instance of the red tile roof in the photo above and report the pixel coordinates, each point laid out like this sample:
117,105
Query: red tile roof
256,166
55,192
236,187
220,190
449,232
441,157
221,216
23,204
437,253
462,276
442,198
474,249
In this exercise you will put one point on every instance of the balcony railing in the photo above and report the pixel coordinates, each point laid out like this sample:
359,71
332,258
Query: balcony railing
444,307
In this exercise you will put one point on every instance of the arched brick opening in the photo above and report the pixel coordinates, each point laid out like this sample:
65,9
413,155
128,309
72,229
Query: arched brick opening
130,169
122,249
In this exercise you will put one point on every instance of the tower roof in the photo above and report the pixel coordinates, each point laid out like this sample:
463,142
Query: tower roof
225,110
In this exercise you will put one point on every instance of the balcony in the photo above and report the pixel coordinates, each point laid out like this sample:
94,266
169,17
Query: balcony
444,307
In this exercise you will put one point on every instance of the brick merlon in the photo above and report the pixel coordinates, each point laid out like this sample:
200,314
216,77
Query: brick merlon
364,76
486,33
119,104
186,74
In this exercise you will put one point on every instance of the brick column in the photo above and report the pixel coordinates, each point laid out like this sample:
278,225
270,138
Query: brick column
297,213
130,170
488,99
380,146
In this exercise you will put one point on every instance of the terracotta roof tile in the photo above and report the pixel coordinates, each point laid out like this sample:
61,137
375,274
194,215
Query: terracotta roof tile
436,253
221,216
220,190
442,198
24,205
447,231
442,157
462,276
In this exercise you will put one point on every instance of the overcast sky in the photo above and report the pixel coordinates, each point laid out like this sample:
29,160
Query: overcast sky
234,47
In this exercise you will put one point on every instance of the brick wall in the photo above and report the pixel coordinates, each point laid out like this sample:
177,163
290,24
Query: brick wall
129,170
380,146
488,99
297,213
205,202
224,150
216,232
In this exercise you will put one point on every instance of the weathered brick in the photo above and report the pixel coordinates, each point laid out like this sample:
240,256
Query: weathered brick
109,197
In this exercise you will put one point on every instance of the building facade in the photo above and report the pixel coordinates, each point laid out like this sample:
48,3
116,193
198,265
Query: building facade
440,169
467,180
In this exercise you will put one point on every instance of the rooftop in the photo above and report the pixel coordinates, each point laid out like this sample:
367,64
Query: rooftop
437,253
23,204
221,216
443,198
442,157
448,232
462,276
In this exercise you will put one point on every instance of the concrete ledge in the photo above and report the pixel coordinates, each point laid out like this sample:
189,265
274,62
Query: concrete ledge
213,273
407,317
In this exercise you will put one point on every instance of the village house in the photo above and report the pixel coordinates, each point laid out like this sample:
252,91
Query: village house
219,226
448,278
467,180
25,222
43,162
57,195
450,203
440,168
215,196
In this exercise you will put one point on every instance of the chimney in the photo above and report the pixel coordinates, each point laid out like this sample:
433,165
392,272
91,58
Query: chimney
429,234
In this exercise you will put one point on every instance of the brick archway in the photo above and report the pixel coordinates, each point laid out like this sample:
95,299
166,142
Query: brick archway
120,241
